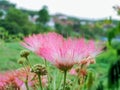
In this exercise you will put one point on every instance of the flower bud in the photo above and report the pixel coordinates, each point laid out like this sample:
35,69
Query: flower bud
24,53
39,69
21,60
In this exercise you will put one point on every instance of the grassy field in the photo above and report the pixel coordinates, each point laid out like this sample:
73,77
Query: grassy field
9,54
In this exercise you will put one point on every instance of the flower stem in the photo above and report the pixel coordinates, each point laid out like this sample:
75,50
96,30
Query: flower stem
45,63
48,75
39,77
26,83
28,62
64,84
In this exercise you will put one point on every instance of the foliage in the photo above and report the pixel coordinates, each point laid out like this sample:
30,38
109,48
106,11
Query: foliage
17,22
113,32
100,86
114,75
16,16
44,16
1,13
3,33
5,4
64,30
29,12
114,70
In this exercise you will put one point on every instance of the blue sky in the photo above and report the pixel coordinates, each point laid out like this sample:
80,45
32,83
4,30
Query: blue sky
93,9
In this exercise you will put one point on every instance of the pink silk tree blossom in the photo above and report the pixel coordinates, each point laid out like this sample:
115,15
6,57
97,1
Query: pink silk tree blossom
16,79
63,53
35,42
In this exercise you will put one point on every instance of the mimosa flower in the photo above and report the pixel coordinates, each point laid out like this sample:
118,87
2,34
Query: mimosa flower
69,52
63,53
9,79
16,79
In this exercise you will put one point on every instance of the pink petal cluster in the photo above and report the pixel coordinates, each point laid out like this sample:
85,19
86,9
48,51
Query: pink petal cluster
73,72
61,52
33,42
9,79
15,80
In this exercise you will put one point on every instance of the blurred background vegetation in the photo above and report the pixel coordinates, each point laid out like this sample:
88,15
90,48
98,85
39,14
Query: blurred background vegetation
18,23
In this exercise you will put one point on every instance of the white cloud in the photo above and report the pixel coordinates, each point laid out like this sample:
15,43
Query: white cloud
80,8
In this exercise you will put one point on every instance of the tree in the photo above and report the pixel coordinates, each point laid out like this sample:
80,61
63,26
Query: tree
64,30
17,22
1,13
3,33
15,15
44,16
5,5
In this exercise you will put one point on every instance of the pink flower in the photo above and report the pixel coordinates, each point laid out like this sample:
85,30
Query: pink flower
68,52
9,79
16,79
63,53
2,82
73,72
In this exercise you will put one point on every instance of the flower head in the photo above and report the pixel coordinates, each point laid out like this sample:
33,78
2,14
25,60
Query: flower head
63,53
39,69
16,79
10,79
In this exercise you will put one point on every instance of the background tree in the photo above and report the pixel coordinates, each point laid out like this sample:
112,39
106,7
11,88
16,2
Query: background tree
15,15
44,16
17,22
1,13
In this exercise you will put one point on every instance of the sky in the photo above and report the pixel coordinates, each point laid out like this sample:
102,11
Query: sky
90,9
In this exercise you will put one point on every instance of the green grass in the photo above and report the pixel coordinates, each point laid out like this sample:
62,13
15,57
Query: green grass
9,54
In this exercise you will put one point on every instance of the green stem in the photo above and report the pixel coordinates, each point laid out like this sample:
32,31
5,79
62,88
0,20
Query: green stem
28,62
48,75
45,63
64,84
26,83
39,77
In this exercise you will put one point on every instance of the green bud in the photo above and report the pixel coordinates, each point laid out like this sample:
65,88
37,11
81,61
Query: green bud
24,53
39,69
21,60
